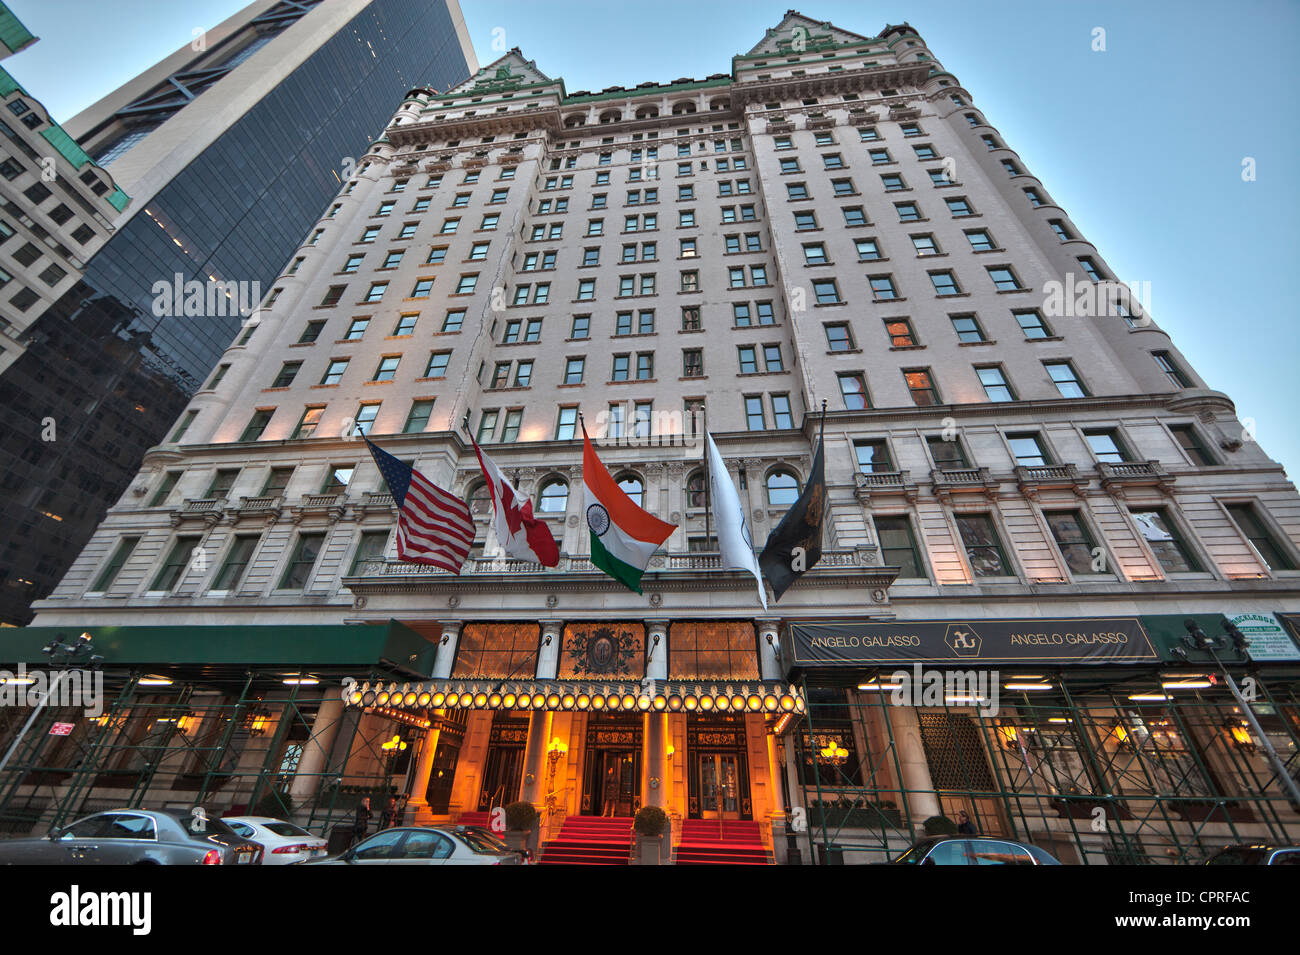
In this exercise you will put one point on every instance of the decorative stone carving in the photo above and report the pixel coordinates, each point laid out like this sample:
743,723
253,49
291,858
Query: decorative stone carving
878,595
675,517
573,520
358,603
453,601
758,515
656,600
551,601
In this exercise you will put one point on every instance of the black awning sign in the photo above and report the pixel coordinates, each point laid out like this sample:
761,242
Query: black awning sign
1086,640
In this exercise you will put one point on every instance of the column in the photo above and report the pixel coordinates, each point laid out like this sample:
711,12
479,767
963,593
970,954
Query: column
655,776
922,800
532,788
548,658
769,642
315,754
424,769
446,654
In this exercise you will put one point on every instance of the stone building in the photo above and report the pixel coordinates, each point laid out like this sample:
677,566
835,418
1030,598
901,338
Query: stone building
1021,468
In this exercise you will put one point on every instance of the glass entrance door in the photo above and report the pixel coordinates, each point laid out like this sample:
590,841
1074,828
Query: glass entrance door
616,781
719,786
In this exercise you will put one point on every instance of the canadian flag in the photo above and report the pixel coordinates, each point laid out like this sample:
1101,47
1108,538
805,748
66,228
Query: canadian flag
522,536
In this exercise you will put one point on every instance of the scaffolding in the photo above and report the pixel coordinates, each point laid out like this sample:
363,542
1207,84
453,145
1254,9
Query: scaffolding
1083,770
245,742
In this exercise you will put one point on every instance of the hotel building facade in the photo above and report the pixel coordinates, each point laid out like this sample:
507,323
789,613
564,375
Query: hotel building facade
1027,488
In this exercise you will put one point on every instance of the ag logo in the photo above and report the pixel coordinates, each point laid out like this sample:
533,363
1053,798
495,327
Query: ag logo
962,640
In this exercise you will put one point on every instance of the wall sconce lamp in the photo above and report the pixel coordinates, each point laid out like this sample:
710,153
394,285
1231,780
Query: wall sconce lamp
1238,735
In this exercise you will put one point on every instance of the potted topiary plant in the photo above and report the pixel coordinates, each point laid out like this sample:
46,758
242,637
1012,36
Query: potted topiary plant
521,826
939,826
652,829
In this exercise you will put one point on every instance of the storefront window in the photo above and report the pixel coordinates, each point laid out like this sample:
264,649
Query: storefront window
504,650
723,650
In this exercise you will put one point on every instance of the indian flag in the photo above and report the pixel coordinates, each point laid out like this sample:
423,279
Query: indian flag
623,536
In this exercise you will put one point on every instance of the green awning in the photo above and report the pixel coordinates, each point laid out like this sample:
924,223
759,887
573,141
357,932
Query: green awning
359,646
13,35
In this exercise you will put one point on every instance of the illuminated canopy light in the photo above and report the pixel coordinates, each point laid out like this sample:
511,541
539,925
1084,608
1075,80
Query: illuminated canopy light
770,703
787,702
674,702
453,699
553,701
629,701
598,702
692,703
410,699
494,701
439,699
660,702
584,701
480,700
423,699
509,700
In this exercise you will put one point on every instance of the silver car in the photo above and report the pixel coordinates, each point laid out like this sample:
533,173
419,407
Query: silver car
136,837
974,850
428,845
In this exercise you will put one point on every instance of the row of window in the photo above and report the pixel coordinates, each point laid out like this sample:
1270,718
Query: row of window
1075,538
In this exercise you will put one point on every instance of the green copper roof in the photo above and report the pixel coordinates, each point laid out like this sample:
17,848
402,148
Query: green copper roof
58,137
13,35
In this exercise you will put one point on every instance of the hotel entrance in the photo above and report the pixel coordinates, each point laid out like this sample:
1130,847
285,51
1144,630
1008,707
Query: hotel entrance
504,769
718,772
612,770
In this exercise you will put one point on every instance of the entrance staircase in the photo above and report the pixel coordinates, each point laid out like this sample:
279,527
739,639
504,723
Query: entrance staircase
590,840
730,842
474,819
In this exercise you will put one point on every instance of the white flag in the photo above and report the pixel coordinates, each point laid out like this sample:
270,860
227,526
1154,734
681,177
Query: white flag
734,542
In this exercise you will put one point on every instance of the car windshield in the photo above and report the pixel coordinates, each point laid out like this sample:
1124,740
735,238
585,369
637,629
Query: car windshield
286,829
482,841
914,855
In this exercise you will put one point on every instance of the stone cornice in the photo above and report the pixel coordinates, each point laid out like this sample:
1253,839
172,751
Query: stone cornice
489,125
845,81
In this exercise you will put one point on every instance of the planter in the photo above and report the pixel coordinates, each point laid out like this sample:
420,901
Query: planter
652,850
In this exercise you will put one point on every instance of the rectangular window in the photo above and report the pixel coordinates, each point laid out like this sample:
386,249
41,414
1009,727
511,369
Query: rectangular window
510,431
236,563
364,421
387,369
839,338
1175,374
1106,446
566,424
437,366
781,414
827,292
947,454
453,320
1268,548
184,426
298,571
1032,324
853,388
487,426
898,546
165,489
1004,279
573,371
1190,442
967,328
311,332
1074,541
754,419
996,387
979,535
372,546
1028,450
1066,379
175,565
900,333
418,417
257,424
921,384
376,291
121,554
873,457
868,249
1170,550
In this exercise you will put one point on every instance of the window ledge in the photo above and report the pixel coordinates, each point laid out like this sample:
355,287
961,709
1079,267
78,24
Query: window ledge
987,341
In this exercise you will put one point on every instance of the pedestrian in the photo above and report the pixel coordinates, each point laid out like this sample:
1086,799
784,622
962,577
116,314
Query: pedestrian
964,825
388,818
611,793
362,821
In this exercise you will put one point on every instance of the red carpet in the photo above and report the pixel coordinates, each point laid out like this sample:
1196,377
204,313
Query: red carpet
474,819
590,840
732,842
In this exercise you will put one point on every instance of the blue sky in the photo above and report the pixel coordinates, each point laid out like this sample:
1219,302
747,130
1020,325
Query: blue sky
1142,144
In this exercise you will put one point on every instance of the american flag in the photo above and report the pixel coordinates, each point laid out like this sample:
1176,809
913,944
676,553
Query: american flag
433,527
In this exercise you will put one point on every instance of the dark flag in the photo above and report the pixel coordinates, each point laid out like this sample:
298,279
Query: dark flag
796,543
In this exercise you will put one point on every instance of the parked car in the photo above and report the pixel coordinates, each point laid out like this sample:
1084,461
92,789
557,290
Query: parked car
1258,854
136,837
974,850
428,845
284,842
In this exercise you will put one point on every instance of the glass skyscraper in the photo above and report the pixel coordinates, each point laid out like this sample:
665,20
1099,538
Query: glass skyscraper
111,375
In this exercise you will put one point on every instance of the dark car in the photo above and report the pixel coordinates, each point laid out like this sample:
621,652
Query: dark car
974,850
1258,854
136,837
428,845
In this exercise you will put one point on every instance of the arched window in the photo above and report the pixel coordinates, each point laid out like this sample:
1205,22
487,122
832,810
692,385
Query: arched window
695,489
632,487
611,116
720,104
480,500
782,489
577,119
554,498
647,112
682,108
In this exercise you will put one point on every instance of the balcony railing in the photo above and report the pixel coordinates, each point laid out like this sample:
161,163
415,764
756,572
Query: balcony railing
947,481
1116,477
1049,477
882,483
